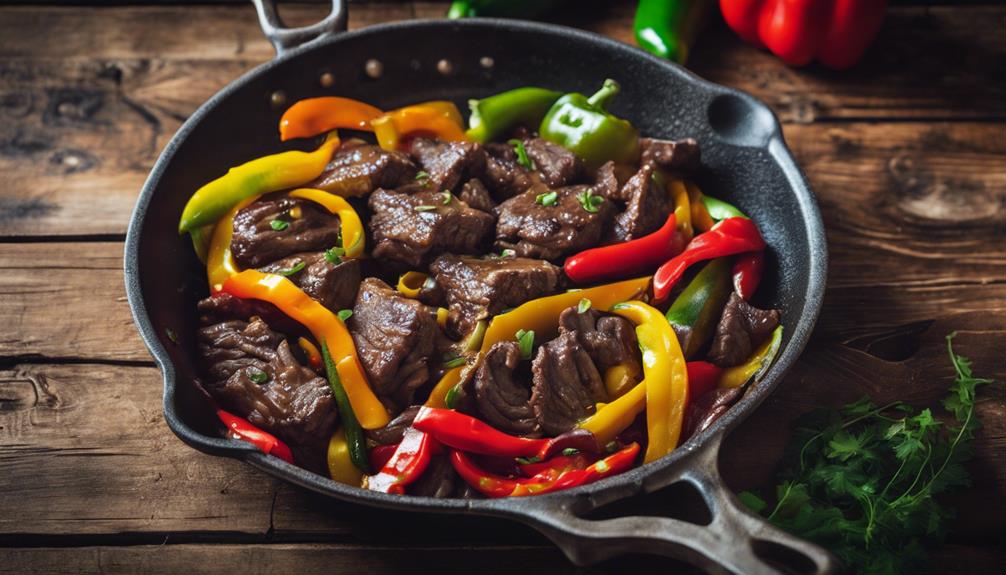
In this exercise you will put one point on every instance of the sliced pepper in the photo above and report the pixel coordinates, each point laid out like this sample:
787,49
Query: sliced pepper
627,258
755,366
220,263
411,283
315,116
356,441
260,176
541,316
729,237
697,309
340,464
406,465
201,241
719,210
583,126
493,116
438,119
327,329
349,221
667,28
241,428
701,220
312,353
747,273
682,207
702,378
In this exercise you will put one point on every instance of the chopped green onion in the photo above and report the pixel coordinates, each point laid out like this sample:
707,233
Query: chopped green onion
421,175
547,199
279,225
583,306
528,460
345,314
447,197
570,451
424,208
258,376
290,271
452,359
507,252
334,255
525,340
522,159
589,201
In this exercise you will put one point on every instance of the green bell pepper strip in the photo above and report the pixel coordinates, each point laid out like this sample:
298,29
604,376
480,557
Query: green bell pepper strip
259,176
694,313
493,116
720,210
667,28
584,126
201,238
355,438
502,8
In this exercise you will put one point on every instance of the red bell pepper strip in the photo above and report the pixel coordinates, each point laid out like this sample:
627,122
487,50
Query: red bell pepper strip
406,465
380,455
729,237
747,272
627,258
241,428
702,377
550,479
836,32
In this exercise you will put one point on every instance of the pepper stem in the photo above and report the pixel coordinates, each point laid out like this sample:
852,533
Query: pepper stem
602,97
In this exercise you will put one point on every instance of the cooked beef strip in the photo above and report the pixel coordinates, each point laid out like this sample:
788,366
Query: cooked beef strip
706,409
679,155
402,233
566,385
550,232
395,337
610,340
255,242
475,194
742,328
500,398
478,288
439,480
223,306
647,206
447,162
293,403
504,177
606,181
358,168
393,432
333,285
556,165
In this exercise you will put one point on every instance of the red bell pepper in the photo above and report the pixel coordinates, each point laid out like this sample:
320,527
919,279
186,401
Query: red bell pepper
406,465
381,454
627,258
552,478
835,32
729,237
241,428
702,377
747,272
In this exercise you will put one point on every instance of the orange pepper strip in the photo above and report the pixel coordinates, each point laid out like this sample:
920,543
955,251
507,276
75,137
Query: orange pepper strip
314,116
326,327
701,220
352,227
439,119
542,316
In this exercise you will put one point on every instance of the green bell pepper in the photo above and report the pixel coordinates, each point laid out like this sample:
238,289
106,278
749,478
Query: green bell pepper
696,311
584,126
720,210
667,28
493,116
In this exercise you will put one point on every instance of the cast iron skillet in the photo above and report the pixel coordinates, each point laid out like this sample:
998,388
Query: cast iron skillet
746,162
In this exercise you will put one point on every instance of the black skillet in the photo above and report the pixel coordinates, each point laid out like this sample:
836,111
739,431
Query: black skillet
745,161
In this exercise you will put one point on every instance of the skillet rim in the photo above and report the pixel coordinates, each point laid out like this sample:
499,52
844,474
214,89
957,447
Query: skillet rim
615,487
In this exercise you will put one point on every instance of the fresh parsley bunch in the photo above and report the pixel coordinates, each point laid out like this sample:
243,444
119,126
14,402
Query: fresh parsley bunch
861,480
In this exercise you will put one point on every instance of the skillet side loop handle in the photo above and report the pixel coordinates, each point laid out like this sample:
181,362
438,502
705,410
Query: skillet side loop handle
736,542
283,38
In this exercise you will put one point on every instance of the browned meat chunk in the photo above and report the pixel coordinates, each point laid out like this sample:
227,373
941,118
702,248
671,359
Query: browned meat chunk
412,229
680,155
501,399
223,307
504,177
253,374
606,182
268,230
334,285
475,194
609,340
556,165
647,206
393,432
439,480
447,162
478,288
566,386
742,328
395,337
358,168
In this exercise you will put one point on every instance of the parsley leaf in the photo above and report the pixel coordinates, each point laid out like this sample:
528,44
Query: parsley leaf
525,340
279,225
547,199
334,255
522,158
589,201
583,306
345,314
258,376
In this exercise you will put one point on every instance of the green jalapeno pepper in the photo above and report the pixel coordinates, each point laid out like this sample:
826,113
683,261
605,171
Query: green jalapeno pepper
694,313
667,28
493,116
584,126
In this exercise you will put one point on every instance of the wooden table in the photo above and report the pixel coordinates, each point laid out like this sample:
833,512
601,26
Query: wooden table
907,154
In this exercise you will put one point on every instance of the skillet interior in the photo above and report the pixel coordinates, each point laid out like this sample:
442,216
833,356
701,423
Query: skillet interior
743,154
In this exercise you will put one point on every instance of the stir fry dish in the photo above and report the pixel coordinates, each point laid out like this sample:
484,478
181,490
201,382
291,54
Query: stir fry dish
535,301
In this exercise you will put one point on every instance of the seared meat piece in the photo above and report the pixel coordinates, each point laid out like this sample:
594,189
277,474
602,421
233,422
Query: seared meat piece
223,307
478,288
333,285
566,384
647,206
500,398
504,177
606,182
706,409
610,340
475,194
550,232
680,155
265,231
254,375
358,168
447,162
393,432
415,228
395,337
439,480
742,328
556,165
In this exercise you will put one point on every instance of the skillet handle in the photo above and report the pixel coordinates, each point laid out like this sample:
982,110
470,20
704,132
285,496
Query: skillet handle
736,542
284,38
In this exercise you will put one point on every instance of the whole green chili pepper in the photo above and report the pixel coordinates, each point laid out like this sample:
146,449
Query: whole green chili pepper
667,28
355,437
695,312
502,8
584,126
493,116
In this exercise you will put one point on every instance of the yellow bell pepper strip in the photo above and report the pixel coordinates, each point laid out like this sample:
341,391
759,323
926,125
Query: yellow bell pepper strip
438,119
312,353
259,176
326,328
411,283
619,379
695,311
442,314
201,241
220,263
755,366
340,466
682,207
541,316
351,226
701,220
315,116
612,418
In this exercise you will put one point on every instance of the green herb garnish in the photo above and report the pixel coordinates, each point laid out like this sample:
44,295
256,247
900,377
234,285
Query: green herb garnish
547,199
570,451
507,252
345,314
528,460
258,376
171,334
525,340
279,225
290,271
424,208
446,198
334,255
522,159
421,176
589,201
583,306
452,359
863,479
